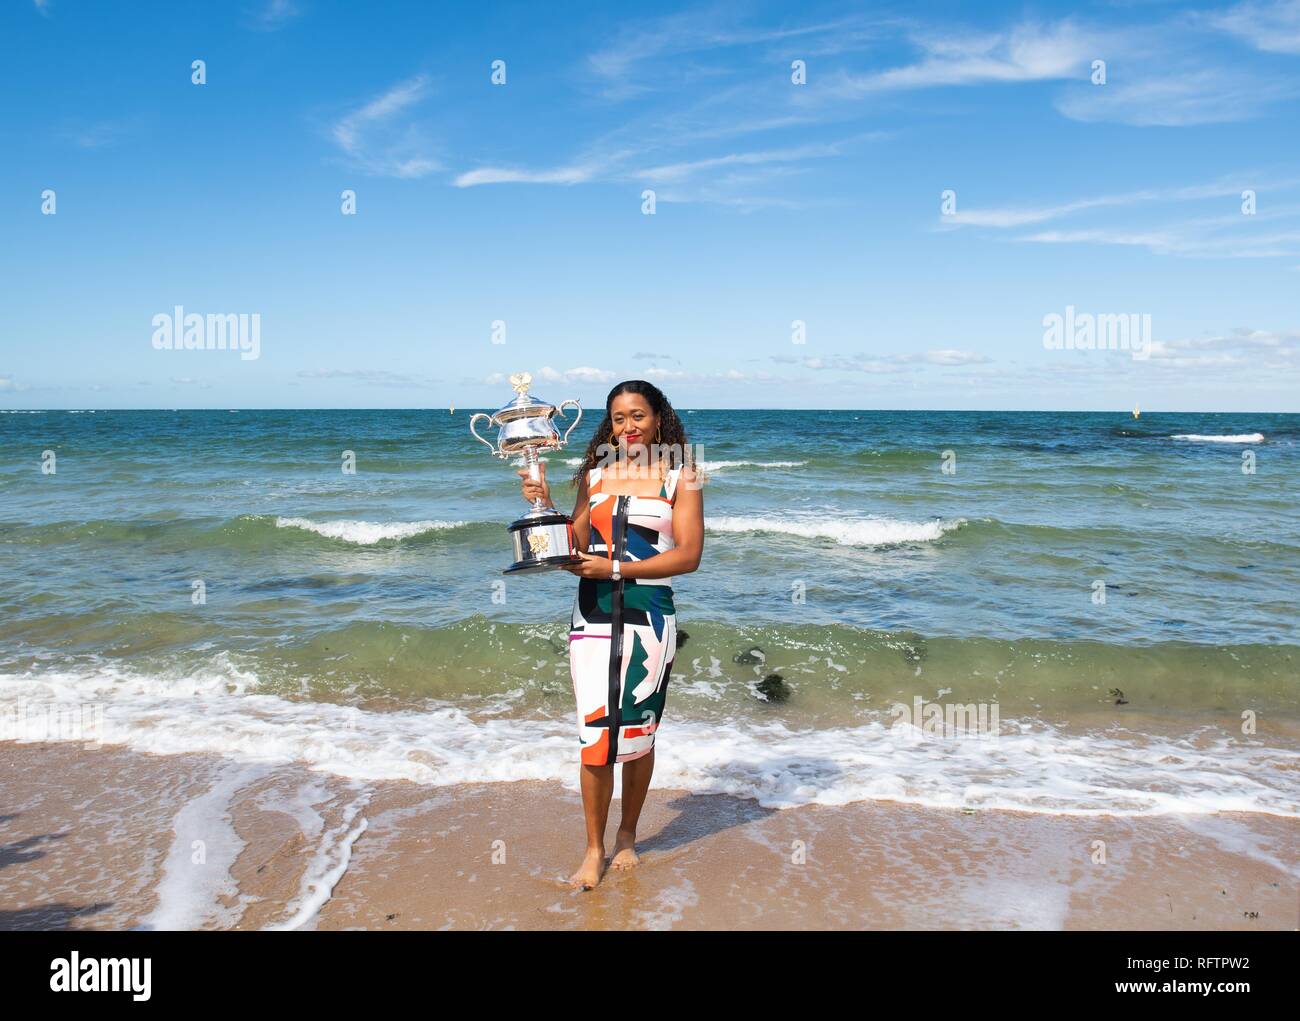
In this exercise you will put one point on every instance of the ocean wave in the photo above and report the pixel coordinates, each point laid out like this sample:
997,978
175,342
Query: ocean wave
367,533
833,669
1236,438
847,532
712,466
1030,765
246,532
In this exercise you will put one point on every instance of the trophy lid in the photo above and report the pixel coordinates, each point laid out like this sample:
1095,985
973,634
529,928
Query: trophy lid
525,405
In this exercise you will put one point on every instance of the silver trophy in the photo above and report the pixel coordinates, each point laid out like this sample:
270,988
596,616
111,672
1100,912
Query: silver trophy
544,536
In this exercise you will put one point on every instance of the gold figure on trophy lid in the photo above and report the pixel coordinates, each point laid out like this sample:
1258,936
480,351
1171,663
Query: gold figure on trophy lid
520,381
1137,412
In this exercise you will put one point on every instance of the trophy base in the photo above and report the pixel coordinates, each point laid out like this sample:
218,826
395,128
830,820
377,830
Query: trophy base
537,566
543,541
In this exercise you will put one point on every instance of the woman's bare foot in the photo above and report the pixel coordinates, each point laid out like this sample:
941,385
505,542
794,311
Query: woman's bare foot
625,856
589,872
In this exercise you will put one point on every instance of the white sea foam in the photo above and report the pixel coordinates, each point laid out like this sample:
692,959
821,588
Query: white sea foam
1031,767
846,531
209,898
328,863
366,533
190,898
1236,438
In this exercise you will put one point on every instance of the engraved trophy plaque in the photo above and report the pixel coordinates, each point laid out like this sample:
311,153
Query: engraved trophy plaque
543,537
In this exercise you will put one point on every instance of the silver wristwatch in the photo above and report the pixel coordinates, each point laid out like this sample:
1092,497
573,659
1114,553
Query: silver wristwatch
616,569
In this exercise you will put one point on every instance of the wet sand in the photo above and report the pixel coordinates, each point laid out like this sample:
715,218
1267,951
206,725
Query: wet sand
105,838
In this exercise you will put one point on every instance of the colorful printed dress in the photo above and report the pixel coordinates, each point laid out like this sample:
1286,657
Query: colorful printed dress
623,635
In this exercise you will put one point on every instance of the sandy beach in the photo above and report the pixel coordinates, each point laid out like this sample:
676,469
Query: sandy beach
106,838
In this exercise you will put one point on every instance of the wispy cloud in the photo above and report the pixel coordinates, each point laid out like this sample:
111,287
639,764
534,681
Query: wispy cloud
1181,93
656,374
1241,354
1251,349
886,364
1271,231
547,374
1028,52
729,377
952,356
396,99
1271,27
614,167
1245,245
690,32
733,187
662,146
272,16
375,141
575,174
1020,216
371,377
1189,84
757,188
679,171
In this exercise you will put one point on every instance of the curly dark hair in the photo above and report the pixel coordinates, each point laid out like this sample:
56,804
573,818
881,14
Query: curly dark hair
671,431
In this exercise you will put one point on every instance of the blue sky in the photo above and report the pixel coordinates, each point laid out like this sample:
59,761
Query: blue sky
775,202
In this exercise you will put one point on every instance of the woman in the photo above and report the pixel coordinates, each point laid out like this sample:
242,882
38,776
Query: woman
639,517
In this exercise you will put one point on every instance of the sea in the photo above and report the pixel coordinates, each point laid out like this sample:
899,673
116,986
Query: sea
1033,611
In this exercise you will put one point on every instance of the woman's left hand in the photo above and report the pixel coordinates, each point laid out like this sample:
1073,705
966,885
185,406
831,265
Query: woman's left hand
600,568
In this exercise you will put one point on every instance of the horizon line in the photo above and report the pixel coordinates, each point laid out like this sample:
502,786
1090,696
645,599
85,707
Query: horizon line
951,411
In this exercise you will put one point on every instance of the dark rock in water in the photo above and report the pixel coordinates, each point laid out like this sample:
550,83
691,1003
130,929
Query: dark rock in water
681,638
774,688
752,655
1118,696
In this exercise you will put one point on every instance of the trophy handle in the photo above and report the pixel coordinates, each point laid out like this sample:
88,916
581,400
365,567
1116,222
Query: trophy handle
473,419
565,440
